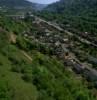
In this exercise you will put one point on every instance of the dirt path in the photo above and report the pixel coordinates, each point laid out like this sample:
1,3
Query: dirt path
13,38
26,55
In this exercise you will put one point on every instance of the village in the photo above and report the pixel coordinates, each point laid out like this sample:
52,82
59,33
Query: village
56,41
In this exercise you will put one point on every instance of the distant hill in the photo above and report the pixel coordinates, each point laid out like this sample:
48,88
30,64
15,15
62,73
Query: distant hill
15,3
40,6
73,6
20,4
80,15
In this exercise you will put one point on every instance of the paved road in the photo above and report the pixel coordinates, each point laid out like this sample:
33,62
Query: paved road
77,65
67,32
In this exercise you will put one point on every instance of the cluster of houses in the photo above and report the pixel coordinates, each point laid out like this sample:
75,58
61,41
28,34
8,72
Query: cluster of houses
49,39
51,36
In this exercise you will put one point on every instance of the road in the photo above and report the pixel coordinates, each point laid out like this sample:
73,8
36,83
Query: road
77,65
66,31
88,72
56,26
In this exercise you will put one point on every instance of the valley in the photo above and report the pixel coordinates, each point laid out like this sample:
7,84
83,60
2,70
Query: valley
45,54
61,44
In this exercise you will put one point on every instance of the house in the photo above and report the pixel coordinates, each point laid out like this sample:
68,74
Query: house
92,59
90,74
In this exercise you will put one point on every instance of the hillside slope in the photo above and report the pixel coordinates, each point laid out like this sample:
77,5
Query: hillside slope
73,6
75,15
20,4
15,3
43,77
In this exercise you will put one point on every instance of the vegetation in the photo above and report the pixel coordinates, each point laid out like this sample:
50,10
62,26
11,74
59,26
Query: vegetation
15,3
78,17
74,15
29,69
43,78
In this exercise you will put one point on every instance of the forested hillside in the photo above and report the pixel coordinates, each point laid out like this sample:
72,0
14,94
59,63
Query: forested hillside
73,6
76,15
20,4
15,3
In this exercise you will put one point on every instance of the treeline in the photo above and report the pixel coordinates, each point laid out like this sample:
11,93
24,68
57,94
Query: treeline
74,14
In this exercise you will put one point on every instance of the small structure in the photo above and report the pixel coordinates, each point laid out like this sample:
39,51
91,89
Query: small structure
65,52
92,59
90,74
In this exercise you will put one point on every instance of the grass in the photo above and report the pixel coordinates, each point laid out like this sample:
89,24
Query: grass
22,90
